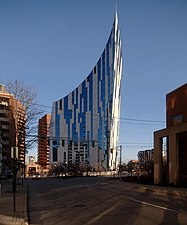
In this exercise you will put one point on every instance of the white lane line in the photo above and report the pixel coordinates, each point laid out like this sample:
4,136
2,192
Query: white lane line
88,186
94,220
95,185
153,205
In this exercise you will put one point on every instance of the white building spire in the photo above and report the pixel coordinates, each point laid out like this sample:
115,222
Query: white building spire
116,15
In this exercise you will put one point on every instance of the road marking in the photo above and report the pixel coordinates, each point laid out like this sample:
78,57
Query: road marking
88,186
95,185
153,205
102,214
103,183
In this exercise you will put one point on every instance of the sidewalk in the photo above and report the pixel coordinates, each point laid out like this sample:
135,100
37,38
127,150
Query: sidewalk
180,192
7,216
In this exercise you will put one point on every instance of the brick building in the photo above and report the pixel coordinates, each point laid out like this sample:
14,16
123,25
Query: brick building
170,144
12,128
43,147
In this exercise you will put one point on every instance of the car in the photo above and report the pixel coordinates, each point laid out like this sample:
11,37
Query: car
36,176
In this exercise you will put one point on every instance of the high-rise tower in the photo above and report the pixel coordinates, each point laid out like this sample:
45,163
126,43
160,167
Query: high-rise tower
12,128
85,123
43,147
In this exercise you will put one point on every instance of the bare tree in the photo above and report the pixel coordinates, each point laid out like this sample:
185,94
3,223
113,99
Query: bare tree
27,96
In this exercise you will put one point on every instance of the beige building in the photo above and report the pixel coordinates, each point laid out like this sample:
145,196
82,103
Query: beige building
170,144
32,167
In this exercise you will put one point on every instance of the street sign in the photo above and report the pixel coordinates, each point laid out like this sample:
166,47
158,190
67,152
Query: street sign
14,152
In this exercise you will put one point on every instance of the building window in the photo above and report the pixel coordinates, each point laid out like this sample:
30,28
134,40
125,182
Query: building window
54,154
165,159
95,70
54,142
177,119
63,143
64,156
60,104
70,143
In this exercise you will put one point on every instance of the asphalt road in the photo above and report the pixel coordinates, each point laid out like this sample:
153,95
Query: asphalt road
100,201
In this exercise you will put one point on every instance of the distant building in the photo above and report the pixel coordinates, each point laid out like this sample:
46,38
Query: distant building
170,144
43,136
132,165
31,159
145,156
32,167
85,123
12,127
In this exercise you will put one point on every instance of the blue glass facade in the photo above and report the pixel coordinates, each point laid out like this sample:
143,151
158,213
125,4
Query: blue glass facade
87,119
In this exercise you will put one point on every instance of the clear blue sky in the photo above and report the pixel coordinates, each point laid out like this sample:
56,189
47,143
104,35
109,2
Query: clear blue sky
54,44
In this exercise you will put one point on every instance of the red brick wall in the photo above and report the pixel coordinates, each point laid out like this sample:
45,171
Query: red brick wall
176,105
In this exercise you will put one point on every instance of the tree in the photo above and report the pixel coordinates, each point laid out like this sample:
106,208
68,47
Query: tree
27,96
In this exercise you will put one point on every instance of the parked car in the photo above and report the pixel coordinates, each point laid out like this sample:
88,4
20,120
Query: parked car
36,176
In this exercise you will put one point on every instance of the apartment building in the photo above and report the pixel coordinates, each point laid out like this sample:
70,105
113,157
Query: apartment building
12,128
43,136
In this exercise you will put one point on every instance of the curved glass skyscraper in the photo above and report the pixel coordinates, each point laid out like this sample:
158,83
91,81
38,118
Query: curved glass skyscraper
85,123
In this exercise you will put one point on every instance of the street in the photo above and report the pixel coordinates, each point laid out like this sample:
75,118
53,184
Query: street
101,201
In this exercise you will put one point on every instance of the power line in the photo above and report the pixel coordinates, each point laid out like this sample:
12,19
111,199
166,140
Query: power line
150,124
89,142
120,118
137,143
141,120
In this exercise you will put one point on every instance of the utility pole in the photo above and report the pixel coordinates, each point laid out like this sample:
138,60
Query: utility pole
0,149
120,149
0,156
14,156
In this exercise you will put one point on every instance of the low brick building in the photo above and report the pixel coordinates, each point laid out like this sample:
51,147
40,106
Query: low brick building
170,144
